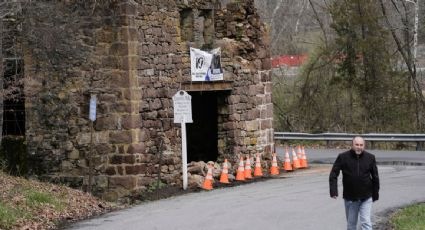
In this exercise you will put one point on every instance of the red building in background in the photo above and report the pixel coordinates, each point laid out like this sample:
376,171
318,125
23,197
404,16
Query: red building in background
289,60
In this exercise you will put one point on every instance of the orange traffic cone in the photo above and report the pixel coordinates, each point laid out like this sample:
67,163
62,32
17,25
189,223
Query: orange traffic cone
304,161
224,178
274,170
287,164
208,179
295,161
257,170
248,170
240,173
300,157
299,153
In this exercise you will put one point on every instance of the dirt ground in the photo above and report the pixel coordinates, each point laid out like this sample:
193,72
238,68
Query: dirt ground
171,191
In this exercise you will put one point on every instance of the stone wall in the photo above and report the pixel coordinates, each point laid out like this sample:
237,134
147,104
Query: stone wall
75,49
248,127
134,55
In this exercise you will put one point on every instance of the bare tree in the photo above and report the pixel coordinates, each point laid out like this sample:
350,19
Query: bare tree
404,48
319,20
350,82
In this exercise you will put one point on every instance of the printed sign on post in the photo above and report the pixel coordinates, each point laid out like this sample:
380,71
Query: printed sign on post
182,102
92,114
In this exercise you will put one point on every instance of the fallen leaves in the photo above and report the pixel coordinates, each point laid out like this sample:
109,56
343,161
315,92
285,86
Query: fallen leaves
43,206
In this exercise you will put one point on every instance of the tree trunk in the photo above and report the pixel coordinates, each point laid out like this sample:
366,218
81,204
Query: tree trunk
411,68
1,80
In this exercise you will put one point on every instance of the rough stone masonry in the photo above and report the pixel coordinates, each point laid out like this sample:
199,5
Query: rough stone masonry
134,55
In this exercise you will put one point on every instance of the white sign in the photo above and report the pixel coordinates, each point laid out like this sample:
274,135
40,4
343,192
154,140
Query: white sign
92,114
205,66
182,102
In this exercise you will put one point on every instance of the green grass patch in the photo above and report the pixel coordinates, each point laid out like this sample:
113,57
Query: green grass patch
155,185
411,217
8,216
35,199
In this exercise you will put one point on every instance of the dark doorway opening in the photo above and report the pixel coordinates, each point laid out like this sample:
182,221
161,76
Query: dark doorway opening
202,138
14,99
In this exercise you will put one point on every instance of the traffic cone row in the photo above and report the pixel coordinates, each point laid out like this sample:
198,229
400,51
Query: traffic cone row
244,171
299,159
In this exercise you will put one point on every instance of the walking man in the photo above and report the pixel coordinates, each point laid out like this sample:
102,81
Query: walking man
360,182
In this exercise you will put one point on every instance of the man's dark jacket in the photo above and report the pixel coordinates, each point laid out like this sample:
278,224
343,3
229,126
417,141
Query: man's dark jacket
360,178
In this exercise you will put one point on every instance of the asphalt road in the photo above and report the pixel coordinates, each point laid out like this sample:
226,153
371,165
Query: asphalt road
297,200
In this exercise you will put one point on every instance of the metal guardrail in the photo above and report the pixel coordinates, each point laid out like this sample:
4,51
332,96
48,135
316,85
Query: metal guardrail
372,137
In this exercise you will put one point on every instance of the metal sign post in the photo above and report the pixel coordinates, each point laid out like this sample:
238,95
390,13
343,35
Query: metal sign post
182,103
92,117
184,154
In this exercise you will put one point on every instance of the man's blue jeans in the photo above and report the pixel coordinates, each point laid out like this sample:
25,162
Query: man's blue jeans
358,209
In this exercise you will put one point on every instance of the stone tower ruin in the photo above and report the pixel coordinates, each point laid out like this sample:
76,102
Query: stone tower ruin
134,56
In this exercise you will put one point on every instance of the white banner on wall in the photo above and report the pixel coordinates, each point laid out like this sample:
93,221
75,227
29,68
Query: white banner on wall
216,70
206,66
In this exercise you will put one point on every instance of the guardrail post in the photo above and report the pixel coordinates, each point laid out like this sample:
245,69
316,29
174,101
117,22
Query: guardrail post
419,146
328,142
